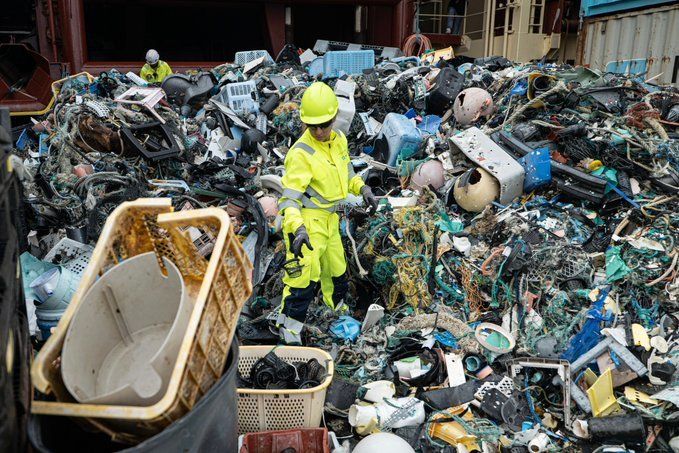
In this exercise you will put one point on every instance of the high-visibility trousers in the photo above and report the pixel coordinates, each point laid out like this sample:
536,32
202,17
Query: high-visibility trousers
325,265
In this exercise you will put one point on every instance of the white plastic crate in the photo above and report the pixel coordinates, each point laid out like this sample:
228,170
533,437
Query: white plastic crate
74,255
242,97
246,56
269,410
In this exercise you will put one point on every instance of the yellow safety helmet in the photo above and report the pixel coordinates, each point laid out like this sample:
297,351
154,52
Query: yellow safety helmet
319,104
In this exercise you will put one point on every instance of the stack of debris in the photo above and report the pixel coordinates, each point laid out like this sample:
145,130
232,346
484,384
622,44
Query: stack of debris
518,287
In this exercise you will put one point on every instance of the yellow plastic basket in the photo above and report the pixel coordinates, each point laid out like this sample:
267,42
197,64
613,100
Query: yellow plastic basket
219,286
271,410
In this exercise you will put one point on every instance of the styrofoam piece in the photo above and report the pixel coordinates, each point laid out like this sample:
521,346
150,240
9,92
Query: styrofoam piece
478,147
122,342
344,90
374,314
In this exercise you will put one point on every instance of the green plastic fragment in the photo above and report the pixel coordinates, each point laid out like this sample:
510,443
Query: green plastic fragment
616,268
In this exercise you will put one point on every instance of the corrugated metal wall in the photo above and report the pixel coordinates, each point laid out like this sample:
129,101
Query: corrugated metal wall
643,42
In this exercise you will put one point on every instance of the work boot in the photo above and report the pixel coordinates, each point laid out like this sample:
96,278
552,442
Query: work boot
290,330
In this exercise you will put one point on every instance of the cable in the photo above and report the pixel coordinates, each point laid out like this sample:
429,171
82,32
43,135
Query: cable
416,45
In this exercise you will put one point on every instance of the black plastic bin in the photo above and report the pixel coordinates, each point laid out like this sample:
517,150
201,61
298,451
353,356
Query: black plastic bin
212,425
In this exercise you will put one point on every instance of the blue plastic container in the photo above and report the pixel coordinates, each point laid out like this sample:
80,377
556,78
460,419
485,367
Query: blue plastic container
402,136
538,169
339,62
45,327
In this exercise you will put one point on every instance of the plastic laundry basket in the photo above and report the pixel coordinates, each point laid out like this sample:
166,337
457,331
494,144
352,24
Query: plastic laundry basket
267,410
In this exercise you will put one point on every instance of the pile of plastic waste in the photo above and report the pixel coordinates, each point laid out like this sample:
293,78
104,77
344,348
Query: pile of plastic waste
518,288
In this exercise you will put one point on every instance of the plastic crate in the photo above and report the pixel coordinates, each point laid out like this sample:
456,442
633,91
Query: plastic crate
403,137
219,287
352,62
241,97
73,255
246,56
266,410
307,440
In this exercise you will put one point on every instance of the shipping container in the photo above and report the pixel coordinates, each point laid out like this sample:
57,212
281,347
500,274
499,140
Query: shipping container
598,7
639,42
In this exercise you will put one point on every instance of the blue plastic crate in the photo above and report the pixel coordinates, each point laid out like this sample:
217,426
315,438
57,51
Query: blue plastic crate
352,62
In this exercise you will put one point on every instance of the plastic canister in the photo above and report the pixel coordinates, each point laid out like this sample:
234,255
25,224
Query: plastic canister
403,137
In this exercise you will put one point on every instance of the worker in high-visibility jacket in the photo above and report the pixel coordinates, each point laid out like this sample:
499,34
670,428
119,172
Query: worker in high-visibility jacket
155,70
318,175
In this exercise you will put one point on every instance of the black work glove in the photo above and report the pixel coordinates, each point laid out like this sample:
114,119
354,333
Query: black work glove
301,238
369,199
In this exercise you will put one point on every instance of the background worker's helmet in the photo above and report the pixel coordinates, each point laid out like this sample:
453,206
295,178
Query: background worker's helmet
319,104
152,56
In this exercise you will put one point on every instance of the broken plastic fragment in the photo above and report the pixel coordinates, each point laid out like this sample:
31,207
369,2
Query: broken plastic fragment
601,396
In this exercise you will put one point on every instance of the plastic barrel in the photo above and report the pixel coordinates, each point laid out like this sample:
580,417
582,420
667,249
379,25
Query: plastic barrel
211,425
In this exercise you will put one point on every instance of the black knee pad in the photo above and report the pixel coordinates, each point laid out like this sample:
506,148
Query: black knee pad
341,288
297,303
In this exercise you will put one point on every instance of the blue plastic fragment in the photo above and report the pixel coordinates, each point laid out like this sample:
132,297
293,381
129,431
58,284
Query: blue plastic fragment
410,114
346,328
446,338
315,67
430,124
24,140
589,336
520,88
43,148
538,169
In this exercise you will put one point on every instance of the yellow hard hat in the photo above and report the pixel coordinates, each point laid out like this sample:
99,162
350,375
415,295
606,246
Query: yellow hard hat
319,104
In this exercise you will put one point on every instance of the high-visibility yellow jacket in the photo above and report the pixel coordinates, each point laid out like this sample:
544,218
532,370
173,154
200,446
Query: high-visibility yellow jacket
156,75
317,176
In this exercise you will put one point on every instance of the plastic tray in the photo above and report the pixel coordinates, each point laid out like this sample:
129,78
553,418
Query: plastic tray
266,410
220,286
352,62
74,255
